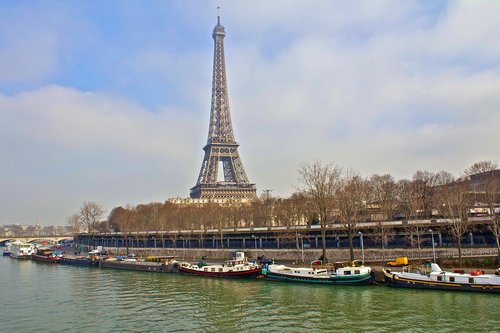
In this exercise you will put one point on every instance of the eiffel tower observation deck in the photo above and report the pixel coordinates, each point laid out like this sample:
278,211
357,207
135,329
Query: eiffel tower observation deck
221,150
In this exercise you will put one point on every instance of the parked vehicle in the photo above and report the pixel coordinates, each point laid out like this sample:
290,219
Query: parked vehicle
265,261
398,262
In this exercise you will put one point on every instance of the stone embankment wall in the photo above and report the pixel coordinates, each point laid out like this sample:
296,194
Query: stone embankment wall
371,255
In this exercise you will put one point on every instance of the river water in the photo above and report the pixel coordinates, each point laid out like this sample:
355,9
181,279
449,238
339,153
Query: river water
37,297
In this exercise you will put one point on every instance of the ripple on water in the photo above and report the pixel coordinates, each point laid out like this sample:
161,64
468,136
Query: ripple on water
75,299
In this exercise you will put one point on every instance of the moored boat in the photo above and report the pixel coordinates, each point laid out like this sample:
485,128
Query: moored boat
78,260
431,276
45,255
6,249
238,267
354,273
152,264
21,250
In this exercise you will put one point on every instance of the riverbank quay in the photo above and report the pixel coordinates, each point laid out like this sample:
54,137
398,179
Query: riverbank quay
147,262
281,256
308,255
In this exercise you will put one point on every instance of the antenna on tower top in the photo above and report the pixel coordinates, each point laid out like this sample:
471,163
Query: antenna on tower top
218,15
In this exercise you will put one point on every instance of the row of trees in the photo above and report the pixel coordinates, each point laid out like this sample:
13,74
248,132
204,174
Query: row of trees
346,198
327,194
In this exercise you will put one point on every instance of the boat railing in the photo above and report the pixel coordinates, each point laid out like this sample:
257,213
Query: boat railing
422,269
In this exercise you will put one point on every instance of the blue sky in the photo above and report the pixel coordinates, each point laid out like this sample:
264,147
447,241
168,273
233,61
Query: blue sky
109,100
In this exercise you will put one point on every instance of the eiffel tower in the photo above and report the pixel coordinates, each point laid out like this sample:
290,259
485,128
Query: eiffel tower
221,150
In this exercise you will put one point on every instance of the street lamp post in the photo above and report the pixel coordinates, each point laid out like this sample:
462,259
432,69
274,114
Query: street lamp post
433,249
302,246
362,246
255,240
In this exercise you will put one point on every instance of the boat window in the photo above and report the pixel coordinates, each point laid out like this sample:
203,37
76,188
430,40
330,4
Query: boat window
347,272
452,279
440,278
220,269
206,269
213,269
471,280
357,271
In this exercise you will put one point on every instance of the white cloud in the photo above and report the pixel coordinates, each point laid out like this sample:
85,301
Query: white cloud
401,100
382,87
74,146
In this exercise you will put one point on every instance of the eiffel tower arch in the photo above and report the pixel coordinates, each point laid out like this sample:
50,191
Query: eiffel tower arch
221,150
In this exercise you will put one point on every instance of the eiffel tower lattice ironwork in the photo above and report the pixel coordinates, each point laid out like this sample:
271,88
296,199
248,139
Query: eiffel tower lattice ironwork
221,149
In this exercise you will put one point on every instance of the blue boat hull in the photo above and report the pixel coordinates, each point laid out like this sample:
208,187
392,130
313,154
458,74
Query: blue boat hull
78,261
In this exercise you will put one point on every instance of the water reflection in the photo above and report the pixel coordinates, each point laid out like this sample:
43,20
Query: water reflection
40,296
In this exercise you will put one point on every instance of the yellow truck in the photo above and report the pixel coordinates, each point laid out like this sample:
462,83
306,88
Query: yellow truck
399,261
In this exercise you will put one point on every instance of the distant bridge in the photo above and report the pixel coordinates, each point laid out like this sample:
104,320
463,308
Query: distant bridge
56,239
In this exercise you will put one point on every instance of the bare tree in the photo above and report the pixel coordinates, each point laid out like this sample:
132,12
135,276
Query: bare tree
292,214
383,233
320,184
382,192
423,182
165,220
487,183
351,198
90,215
258,214
126,224
452,199
217,216
406,198
409,202
75,223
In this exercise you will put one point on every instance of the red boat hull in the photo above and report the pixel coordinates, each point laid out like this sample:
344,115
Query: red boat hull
43,258
237,274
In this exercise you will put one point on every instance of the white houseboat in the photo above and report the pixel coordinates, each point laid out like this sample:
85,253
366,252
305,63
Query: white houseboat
21,250
354,273
431,276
